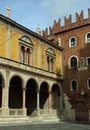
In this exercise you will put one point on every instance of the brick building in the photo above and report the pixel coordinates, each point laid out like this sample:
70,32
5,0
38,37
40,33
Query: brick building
30,74
74,37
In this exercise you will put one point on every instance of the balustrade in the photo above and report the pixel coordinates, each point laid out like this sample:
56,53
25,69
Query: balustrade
16,112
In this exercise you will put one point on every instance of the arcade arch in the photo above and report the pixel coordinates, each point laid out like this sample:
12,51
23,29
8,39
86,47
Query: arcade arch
31,96
15,93
55,96
2,84
44,95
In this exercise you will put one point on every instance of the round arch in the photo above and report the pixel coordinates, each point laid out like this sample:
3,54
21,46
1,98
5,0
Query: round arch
69,61
19,76
74,84
31,96
72,41
56,93
44,95
2,84
87,37
15,92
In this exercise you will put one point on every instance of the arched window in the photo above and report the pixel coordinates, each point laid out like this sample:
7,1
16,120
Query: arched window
72,42
74,85
73,62
88,38
26,50
50,54
88,83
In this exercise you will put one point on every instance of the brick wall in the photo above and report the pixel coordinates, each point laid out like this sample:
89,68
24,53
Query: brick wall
78,29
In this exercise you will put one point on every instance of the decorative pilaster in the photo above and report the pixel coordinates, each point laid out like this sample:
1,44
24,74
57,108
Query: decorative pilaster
39,55
8,41
61,55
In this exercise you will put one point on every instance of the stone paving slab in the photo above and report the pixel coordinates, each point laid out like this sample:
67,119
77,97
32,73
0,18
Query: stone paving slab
46,126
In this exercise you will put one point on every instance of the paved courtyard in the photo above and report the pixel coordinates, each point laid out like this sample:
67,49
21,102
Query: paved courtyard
46,126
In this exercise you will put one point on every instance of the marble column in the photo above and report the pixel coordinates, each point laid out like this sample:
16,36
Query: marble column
24,100
38,103
6,95
37,99
3,96
50,100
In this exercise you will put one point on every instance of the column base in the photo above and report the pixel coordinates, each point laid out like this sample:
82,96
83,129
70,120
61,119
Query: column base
24,111
4,112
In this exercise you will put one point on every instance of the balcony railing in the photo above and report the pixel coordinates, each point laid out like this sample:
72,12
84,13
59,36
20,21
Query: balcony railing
47,112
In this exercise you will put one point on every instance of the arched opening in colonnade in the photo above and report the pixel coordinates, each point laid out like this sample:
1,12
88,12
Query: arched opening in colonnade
44,95
55,96
31,96
2,84
15,93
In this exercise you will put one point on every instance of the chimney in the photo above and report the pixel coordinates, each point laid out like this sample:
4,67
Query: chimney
38,30
8,11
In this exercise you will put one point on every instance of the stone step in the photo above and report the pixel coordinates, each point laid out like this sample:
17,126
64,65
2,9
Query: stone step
28,120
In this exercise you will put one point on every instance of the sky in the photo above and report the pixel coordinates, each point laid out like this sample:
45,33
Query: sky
30,13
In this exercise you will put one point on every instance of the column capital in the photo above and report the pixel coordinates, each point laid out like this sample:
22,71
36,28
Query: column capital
23,88
38,90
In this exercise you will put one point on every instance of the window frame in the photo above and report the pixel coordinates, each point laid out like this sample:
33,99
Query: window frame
87,61
69,62
76,84
71,42
86,38
50,60
26,42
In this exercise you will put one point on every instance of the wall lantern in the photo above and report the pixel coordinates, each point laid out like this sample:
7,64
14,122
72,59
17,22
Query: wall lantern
82,92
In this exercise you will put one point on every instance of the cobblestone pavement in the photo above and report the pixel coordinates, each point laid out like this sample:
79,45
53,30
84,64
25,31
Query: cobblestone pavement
46,126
